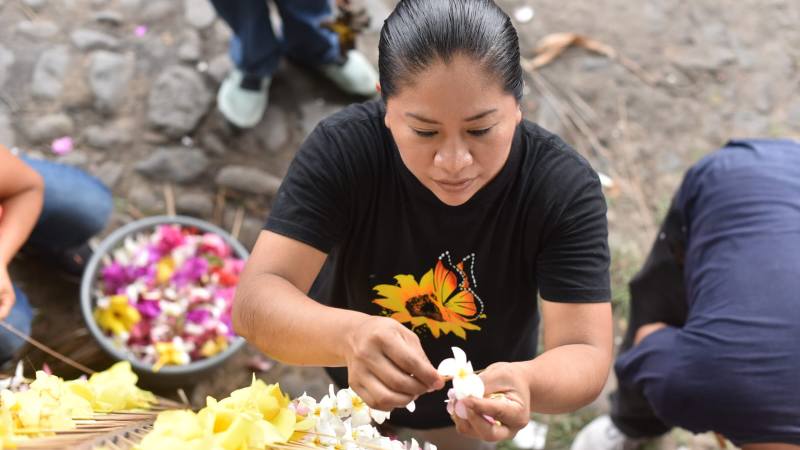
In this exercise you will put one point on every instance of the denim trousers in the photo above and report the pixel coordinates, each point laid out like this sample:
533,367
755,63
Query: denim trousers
76,207
256,49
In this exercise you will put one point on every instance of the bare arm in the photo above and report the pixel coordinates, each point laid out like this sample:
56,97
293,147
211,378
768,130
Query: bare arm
273,311
21,196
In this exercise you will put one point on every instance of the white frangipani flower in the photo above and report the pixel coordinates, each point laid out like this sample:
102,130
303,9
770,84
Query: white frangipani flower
465,382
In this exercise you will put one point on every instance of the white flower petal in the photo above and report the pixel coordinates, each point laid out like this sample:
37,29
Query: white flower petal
471,385
461,357
448,368
411,407
379,416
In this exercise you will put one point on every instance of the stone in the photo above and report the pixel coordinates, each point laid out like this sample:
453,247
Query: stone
130,6
48,76
74,158
194,204
35,4
199,13
109,173
157,10
794,115
190,48
99,2
274,131
248,179
109,76
313,112
7,136
109,17
700,58
144,199
6,61
104,137
179,98
212,143
47,128
174,164
38,29
219,67
86,39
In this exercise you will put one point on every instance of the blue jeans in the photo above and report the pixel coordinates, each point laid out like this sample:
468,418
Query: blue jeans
256,50
76,207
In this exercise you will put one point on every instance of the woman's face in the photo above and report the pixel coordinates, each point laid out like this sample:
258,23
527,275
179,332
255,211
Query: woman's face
453,126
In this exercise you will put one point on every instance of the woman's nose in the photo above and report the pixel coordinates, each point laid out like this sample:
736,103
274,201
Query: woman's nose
453,157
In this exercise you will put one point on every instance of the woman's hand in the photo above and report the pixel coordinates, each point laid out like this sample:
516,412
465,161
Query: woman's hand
505,410
386,365
7,296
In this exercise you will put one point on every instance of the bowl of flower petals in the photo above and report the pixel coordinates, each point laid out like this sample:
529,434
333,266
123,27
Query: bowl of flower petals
158,292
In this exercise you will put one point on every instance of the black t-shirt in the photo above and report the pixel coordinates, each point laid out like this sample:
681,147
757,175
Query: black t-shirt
466,275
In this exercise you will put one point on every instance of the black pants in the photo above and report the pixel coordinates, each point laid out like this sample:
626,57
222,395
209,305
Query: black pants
657,295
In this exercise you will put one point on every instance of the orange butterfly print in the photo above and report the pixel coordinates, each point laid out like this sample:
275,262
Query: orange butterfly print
443,301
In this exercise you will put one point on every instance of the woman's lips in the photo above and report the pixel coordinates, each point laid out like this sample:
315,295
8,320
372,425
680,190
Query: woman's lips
454,186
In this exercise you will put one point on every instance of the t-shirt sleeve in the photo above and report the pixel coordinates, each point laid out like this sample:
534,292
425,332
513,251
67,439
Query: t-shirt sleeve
572,265
312,204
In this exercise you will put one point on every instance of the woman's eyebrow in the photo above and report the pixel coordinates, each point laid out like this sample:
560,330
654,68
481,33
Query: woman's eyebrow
468,119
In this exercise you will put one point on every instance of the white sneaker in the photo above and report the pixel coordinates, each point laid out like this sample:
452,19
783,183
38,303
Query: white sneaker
356,76
243,100
602,434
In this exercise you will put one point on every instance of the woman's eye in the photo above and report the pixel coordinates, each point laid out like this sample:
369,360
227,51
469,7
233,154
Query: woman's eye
479,132
426,134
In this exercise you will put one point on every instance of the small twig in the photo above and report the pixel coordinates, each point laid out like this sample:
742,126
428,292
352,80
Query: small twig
238,219
46,349
219,206
169,199
29,13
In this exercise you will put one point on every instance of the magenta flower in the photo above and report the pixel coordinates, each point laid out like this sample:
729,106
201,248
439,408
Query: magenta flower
215,245
148,309
169,237
190,272
198,316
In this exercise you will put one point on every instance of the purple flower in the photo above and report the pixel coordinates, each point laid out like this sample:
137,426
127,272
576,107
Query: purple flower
115,277
191,271
148,309
169,237
198,316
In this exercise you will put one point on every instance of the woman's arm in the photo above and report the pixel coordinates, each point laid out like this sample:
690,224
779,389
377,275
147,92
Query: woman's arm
273,312
568,375
21,196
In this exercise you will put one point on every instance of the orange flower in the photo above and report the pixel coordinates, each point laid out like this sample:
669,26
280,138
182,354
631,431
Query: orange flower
437,302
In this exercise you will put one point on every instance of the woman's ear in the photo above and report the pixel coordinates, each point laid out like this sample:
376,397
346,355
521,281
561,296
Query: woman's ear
378,87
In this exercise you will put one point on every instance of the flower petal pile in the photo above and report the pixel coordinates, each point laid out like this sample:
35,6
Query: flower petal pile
166,296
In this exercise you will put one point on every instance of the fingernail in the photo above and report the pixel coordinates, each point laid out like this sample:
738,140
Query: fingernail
461,410
489,419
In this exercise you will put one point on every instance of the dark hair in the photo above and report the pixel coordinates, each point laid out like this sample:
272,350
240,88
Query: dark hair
419,32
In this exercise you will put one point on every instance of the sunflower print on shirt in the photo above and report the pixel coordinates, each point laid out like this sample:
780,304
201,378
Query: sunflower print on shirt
443,301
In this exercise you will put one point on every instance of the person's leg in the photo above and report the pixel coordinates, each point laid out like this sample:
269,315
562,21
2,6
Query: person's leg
657,295
20,317
76,207
254,48
306,40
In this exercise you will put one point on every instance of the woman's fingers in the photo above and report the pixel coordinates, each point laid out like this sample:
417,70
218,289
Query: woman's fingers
376,395
395,378
410,358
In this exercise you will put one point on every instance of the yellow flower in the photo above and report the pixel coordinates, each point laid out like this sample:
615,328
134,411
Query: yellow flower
436,302
113,389
214,346
164,270
119,317
171,353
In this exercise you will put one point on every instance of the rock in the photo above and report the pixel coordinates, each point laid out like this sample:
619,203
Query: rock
74,158
248,179
7,136
109,173
794,115
178,100
274,131
35,4
86,39
143,198
700,58
251,228
194,204
130,6
99,2
50,127
109,76
199,13
48,76
219,66
110,17
213,143
157,10
107,137
313,112
190,49
6,61
175,164
39,29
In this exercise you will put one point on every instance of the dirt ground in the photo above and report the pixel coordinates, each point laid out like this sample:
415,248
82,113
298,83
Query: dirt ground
689,75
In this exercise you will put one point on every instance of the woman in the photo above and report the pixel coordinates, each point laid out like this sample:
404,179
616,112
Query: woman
432,222
52,210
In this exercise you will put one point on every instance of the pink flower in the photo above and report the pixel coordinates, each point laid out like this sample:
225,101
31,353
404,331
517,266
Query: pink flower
148,309
215,245
140,31
62,146
190,272
169,237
